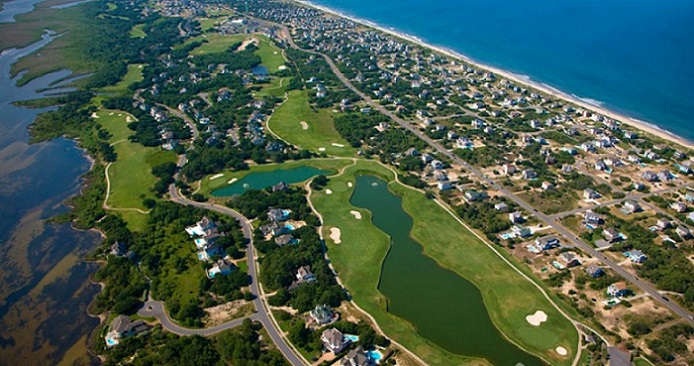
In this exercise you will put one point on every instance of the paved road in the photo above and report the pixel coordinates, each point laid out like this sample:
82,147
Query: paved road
156,309
573,239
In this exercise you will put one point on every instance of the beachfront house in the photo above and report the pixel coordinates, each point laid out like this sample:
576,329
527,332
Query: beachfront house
618,289
122,327
323,314
334,341
637,256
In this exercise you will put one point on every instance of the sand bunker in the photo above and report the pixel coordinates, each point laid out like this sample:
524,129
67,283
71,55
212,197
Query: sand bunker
110,114
335,235
338,145
304,125
356,214
232,180
327,191
349,184
282,67
128,119
562,351
536,319
94,115
321,149
216,176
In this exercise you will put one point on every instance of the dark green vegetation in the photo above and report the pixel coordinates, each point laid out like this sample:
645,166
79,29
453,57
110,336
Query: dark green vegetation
240,346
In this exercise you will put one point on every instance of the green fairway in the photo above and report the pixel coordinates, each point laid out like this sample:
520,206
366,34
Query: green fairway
216,42
508,297
137,31
130,176
216,181
318,134
133,75
270,54
275,88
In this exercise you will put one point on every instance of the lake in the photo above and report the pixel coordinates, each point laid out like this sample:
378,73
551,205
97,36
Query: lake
262,180
444,307
44,287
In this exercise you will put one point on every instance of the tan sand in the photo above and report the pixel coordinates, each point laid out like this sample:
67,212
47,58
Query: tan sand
321,149
232,180
349,184
216,176
520,79
335,235
328,191
561,351
338,145
94,115
304,125
536,319
356,214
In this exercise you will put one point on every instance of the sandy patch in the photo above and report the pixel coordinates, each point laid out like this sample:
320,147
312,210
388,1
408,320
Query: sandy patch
120,114
356,214
128,119
536,319
338,145
335,235
232,180
139,67
321,149
110,114
349,184
561,351
282,67
304,125
94,115
246,43
328,191
216,176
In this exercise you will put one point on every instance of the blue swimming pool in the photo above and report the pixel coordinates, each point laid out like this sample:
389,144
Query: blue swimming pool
352,337
375,355
111,342
289,227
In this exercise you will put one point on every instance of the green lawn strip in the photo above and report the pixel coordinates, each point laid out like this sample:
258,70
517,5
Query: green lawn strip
321,133
136,221
275,88
116,123
216,42
270,54
208,184
138,32
207,24
508,297
133,75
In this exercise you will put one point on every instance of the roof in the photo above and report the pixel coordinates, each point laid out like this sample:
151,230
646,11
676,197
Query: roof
621,286
332,336
618,357
356,357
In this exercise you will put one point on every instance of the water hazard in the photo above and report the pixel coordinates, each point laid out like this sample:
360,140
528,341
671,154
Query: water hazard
262,180
444,307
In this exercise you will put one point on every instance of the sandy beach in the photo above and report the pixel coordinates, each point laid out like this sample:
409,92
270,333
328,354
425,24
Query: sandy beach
519,79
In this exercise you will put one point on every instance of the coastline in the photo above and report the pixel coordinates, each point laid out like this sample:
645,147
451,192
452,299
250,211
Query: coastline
647,127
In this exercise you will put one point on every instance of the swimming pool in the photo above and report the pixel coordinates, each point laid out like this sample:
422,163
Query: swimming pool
375,355
506,236
352,337
289,227
111,342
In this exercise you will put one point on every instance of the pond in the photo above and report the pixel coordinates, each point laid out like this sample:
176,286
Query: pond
262,180
444,307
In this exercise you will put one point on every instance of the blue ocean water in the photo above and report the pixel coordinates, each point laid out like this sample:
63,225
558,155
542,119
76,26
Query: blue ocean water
634,57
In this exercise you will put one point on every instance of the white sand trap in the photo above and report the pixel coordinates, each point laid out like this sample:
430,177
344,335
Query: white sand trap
357,214
216,176
335,235
274,53
232,180
94,115
321,149
338,145
282,67
304,125
536,319
139,67
120,114
128,119
561,351
327,191
110,114
349,184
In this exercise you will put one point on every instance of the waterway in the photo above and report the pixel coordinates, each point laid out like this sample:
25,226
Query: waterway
44,287
16,7
444,307
262,180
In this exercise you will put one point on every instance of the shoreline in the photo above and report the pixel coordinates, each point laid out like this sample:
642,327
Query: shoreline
584,103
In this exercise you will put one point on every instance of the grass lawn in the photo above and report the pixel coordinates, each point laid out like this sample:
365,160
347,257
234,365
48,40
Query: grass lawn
137,31
270,53
208,184
130,175
133,75
320,132
207,23
509,297
216,42
551,203
275,88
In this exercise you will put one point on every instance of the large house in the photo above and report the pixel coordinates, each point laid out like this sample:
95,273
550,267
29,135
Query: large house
202,227
222,267
611,235
594,271
637,256
304,274
547,242
590,194
516,217
631,206
323,314
618,289
334,341
591,218
356,357
122,327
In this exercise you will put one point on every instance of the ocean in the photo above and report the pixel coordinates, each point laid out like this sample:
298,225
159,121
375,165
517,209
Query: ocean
632,57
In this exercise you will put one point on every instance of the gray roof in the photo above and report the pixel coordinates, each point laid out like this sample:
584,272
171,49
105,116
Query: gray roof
356,357
618,357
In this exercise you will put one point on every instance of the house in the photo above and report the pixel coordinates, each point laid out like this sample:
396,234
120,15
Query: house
322,314
521,231
618,289
611,235
683,232
663,224
637,256
691,216
665,176
529,174
304,274
285,239
632,206
501,207
547,242
281,186
118,249
208,252
278,215
473,196
594,271
591,218
123,327
649,176
515,217
569,258
463,143
437,165
685,168
444,185
590,194
427,158
689,197
600,165
547,186
679,206
356,357
202,226
509,169
333,340
221,267
274,229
